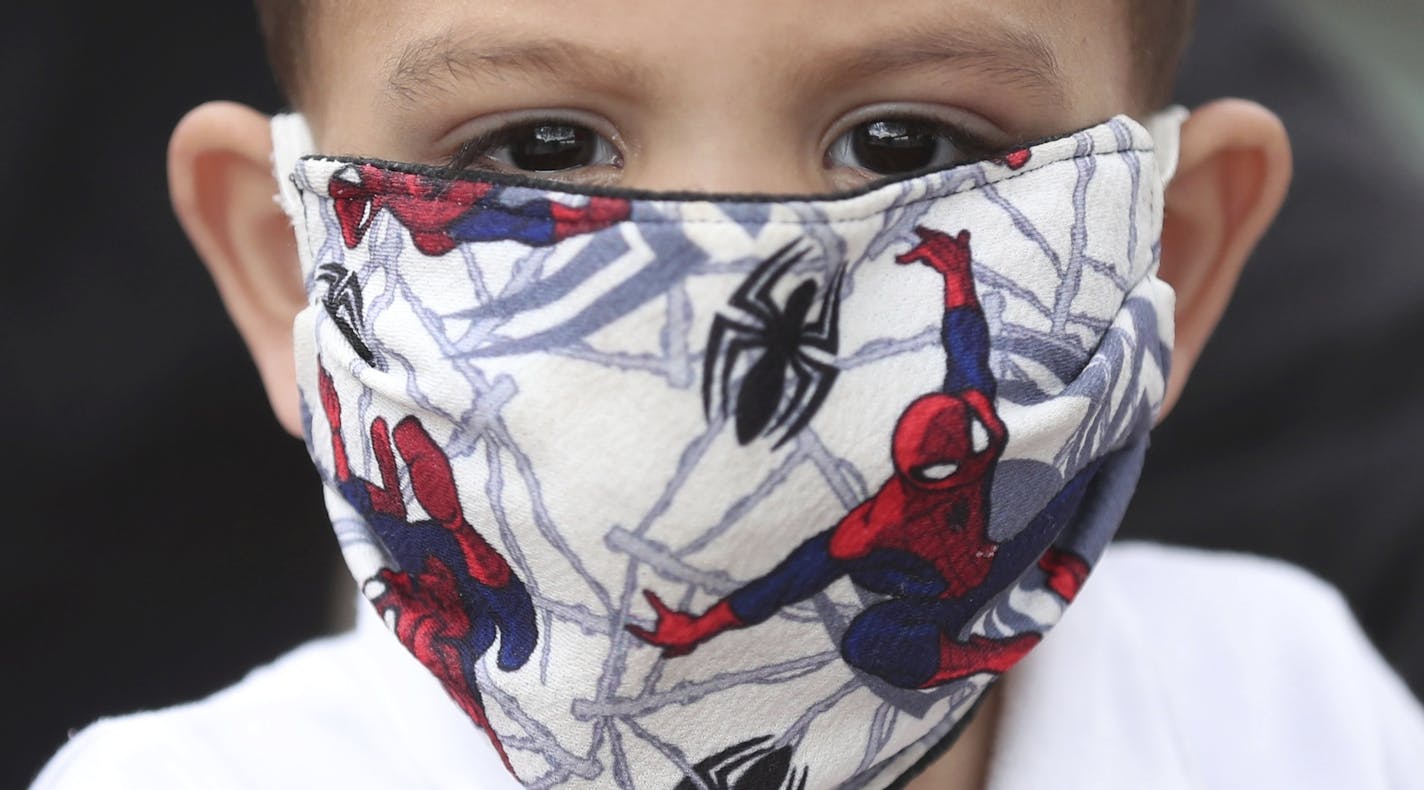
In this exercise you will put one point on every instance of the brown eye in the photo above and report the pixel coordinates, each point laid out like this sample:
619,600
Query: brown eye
544,148
539,147
895,146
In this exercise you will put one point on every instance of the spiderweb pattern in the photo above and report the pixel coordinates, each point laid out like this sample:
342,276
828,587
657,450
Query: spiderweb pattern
1082,326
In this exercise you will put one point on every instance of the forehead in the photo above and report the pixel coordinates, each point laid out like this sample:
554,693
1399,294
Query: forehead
1074,52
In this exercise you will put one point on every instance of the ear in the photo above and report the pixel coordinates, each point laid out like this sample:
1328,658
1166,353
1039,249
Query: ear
1231,178
220,180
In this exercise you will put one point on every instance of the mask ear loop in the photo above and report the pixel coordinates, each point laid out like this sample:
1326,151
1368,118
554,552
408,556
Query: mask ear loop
291,140
1165,128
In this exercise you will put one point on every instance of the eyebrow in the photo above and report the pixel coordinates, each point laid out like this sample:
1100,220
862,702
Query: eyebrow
1019,58
435,64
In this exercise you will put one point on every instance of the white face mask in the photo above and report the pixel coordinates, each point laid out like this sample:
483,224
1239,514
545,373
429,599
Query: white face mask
694,491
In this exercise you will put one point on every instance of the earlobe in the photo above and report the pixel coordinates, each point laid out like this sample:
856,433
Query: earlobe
221,183
1232,176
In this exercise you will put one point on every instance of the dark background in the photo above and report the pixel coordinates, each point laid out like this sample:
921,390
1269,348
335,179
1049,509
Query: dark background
163,535
1301,432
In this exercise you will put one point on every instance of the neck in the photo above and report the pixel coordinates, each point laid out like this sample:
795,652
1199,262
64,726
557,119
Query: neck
965,765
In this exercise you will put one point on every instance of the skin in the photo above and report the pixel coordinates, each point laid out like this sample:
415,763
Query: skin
708,96
733,96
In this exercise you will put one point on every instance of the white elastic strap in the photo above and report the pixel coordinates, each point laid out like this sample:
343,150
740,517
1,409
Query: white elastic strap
291,140
1166,130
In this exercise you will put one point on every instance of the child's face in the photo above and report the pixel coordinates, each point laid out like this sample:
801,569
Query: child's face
726,96
722,96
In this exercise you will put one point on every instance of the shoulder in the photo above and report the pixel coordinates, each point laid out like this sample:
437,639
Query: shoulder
117,753
1263,663
1192,582
1181,668
353,710
1247,620
231,739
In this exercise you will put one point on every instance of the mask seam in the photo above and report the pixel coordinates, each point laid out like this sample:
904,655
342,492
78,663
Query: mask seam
313,300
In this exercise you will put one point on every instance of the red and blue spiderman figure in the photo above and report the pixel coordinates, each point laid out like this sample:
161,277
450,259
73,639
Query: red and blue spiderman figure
442,213
451,593
922,540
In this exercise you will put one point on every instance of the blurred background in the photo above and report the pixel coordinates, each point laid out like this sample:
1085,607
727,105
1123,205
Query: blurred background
164,536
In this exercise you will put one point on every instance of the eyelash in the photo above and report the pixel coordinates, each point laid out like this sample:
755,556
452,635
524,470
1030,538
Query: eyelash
975,146
486,141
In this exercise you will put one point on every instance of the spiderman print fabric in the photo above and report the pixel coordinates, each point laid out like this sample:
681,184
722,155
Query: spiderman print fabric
677,492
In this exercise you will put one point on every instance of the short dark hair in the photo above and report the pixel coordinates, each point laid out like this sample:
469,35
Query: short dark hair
284,32
1158,31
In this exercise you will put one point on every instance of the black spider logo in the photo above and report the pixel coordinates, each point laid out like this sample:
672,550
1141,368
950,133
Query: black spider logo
785,351
748,766
344,304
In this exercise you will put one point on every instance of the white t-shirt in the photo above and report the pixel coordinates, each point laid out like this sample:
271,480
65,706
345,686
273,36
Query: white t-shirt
1174,669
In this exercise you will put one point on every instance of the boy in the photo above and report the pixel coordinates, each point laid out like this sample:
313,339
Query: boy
784,98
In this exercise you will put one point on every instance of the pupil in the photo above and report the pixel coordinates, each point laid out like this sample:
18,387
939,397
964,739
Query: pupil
550,147
887,147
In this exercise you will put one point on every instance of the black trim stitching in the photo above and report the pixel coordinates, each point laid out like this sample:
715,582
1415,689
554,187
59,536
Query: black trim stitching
698,198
